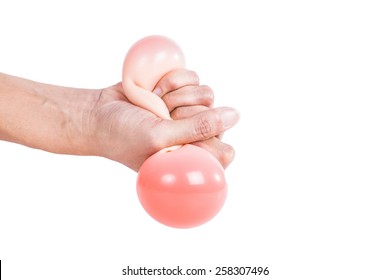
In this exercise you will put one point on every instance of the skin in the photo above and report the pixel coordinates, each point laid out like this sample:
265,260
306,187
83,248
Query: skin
102,122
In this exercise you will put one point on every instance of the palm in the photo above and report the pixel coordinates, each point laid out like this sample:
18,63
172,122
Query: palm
126,131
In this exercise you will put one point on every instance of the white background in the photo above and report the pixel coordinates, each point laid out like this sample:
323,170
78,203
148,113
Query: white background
308,190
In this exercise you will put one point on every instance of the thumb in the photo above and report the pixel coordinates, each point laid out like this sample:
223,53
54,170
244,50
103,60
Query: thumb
201,126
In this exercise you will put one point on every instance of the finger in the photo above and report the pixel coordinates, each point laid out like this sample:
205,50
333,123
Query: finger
189,96
187,111
200,127
176,79
223,152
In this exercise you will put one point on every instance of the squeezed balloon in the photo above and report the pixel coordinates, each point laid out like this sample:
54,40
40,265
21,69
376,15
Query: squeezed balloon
145,64
183,187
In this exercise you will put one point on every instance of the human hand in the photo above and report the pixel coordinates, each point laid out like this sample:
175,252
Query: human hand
104,123
129,134
185,97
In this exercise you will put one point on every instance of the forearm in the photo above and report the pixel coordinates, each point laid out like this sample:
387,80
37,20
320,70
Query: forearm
42,116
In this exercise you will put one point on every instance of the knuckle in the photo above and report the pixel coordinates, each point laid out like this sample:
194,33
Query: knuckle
194,77
227,155
179,78
177,114
173,82
206,95
167,98
204,127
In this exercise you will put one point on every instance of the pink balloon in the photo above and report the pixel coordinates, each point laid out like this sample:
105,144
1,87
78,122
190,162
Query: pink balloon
180,187
183,188
147,61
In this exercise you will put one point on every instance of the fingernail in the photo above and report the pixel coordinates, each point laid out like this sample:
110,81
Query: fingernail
157,91
229,117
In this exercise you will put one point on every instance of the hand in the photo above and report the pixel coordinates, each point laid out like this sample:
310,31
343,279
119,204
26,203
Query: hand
104,123
185,98
128,134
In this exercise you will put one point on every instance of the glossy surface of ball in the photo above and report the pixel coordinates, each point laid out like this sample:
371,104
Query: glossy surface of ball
182,188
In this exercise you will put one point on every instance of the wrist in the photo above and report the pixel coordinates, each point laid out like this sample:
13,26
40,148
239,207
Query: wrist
79,122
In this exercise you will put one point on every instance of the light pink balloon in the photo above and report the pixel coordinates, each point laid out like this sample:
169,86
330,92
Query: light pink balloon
147,61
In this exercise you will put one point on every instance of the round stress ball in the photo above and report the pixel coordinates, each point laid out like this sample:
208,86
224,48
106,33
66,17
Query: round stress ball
183,186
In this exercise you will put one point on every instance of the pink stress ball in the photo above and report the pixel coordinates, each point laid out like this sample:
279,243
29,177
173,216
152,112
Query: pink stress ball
183,186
